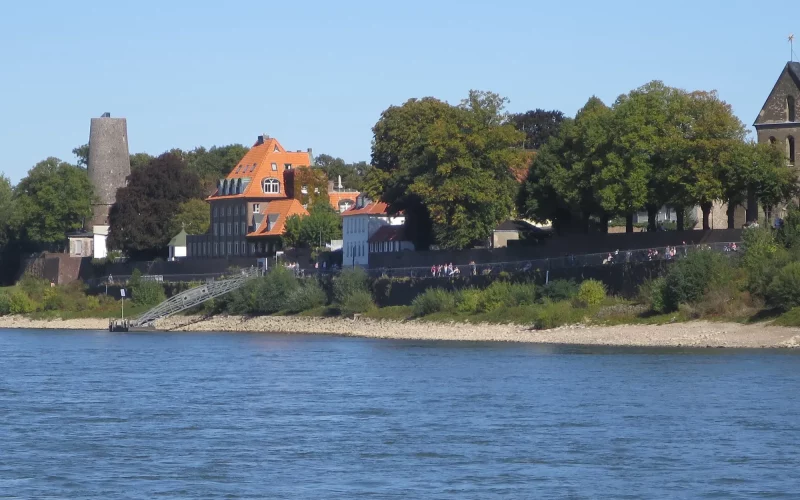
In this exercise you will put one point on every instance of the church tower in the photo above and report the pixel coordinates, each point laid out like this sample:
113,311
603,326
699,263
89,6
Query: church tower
777,123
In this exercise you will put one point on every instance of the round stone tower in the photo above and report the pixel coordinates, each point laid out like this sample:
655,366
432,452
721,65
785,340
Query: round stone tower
109,165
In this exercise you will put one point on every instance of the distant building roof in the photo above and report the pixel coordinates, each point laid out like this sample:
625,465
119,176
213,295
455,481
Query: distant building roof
388,233
275,215
179,240
520,226
379,208
336,197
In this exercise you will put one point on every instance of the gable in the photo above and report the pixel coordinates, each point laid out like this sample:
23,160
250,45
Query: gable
788,85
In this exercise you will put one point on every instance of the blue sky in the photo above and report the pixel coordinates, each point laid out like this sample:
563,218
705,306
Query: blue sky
318,73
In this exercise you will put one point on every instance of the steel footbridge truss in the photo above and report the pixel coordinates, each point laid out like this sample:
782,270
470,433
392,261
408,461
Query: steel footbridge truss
193,297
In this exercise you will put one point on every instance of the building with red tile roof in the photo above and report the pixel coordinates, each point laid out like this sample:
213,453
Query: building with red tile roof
251,204
370,227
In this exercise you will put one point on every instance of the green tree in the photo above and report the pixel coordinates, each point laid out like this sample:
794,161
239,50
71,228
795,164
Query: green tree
52,200
437,162
351,174
193,215
538,126
82,154
141,218
214,163
6,210
139,160
321,225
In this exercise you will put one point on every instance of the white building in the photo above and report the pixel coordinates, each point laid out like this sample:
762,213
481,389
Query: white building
360,223
177,246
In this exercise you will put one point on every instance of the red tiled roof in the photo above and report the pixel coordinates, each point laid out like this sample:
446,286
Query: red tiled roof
379,208
388,233
284,209
257,166
336,196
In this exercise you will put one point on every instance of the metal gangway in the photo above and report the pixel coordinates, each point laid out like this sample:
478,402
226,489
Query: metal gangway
193,297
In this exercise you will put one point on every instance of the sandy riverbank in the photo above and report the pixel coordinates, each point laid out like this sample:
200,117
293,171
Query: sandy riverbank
692,334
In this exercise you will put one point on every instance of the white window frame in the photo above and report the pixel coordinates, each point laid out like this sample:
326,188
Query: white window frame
271,185
256,208
274,167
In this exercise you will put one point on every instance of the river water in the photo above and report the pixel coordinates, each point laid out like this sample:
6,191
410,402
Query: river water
97,415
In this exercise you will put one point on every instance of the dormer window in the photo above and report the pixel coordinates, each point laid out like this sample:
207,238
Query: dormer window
271,186
274,167
276,150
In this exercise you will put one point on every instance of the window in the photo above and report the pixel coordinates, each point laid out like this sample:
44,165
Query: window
236,248
229,229
274,166
252,248
216,248
244,228
772,140
790,109
236,228
230,246
215,229
215,212
304,189
287,166
236,210
270,185
790,149
230,211
205,248
256,208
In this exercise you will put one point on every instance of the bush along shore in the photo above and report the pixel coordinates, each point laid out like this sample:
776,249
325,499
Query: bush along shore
759,282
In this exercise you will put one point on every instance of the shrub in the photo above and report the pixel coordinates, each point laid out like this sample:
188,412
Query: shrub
522,294
145,292
555,314
349,282
495,296
591,293
690,278
20,303
52,300
272,293
5,304
762,258
467,300
308,296
358,302
558,290
656,297
784,291
431,301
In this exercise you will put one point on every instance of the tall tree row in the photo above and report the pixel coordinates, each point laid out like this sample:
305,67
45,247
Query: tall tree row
655,146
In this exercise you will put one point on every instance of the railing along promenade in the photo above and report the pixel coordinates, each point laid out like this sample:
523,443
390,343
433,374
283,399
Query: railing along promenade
617,257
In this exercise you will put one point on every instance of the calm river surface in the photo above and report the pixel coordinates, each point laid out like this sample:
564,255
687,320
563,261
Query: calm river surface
97,415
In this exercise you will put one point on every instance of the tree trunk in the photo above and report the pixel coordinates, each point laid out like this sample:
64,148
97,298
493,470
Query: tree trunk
679,215
706,208
731,212
752,206
629,223
604,224
652,215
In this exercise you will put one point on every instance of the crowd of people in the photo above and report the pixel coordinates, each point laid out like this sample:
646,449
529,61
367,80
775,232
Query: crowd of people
444,270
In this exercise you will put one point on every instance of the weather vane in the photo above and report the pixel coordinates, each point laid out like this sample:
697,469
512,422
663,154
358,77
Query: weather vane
791,47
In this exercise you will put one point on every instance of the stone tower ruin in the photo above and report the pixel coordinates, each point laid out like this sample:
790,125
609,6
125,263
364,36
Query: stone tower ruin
109,164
